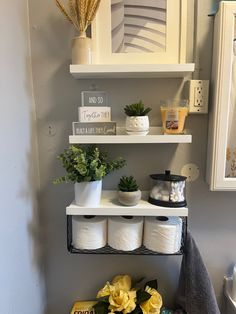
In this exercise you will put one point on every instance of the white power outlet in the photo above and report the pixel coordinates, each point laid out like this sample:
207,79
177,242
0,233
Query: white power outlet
198,96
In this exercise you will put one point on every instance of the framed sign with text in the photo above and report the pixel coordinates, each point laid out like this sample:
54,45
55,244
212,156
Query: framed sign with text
94,98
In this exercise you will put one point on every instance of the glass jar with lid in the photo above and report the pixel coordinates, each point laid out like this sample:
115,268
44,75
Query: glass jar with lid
168,190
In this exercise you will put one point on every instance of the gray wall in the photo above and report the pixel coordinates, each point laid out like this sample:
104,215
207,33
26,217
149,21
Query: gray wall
21,272
57,94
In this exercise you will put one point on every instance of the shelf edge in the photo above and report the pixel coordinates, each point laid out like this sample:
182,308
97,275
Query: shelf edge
131,70
113,208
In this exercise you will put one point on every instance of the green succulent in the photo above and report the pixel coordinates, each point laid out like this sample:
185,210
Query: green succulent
136,109
128,184
86,164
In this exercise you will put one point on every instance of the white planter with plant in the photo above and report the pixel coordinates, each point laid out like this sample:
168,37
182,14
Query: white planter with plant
88,194
129,193
80,14
86,167
137,121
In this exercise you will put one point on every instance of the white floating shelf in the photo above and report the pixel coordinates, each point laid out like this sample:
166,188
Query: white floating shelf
88,71
111,207
154,136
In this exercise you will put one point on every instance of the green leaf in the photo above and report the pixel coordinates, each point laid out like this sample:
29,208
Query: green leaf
137,310
166,311
142,296
128,184
104,299
152,284
136,109
86,163
101,307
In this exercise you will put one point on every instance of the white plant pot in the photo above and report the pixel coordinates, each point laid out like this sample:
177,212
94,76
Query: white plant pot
81,50
129,198
88,194
137,125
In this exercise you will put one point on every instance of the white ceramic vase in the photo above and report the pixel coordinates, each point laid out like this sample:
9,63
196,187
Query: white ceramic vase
137,125
88,194
81,50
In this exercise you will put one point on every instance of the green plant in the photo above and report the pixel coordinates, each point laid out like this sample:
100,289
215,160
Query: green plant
136,109
128,184
86,164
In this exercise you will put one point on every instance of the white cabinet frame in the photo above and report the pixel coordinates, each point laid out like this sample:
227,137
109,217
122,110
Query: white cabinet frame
224,32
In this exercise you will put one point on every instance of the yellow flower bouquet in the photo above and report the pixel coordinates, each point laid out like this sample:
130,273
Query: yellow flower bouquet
120,296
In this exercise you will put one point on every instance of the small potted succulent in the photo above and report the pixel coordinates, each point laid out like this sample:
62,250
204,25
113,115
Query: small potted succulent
86,167
137,121
129,193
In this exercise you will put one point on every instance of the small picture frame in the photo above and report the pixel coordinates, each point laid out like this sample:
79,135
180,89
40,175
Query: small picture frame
94,98
140,32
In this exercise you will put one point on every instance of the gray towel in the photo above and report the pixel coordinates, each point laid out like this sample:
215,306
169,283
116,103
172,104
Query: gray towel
195,293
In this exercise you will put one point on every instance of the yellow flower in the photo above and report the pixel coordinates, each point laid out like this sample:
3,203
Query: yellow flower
122,301
105,291
154,304
122,282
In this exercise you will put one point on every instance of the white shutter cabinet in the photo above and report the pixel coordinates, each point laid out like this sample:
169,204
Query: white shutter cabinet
221,159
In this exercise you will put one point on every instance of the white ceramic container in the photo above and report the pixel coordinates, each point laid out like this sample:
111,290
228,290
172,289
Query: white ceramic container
137,125
88,194
81,50
129,198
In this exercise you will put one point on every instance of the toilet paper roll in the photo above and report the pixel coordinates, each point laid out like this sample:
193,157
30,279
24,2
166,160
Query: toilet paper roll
89,232
163,234
125,233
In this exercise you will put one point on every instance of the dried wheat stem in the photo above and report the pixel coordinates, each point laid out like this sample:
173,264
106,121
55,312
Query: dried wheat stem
63,10
66,14
73,12
81,12
91,12
72,8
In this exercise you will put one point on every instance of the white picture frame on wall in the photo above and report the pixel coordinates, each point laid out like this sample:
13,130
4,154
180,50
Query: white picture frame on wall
161,36
224,35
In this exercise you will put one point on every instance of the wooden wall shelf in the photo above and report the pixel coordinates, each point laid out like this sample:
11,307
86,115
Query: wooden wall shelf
91,71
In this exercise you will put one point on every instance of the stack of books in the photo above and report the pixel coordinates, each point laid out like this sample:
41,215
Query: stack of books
94,115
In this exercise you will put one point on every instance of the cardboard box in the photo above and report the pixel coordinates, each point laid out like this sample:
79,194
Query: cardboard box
83,307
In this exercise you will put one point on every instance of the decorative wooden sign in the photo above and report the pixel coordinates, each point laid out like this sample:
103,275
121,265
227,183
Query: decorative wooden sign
94,114
94,98
94,128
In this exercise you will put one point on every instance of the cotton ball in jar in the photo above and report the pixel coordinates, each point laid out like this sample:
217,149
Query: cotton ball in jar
155,192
